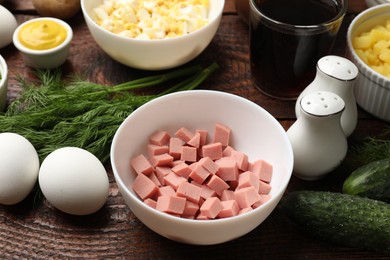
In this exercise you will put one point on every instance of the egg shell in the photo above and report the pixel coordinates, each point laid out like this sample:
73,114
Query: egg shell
74,181
8,25
19,168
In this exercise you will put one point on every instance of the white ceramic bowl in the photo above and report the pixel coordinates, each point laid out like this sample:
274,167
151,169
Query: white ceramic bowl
371,3
372,90
45,59
254,131
153,54
3,83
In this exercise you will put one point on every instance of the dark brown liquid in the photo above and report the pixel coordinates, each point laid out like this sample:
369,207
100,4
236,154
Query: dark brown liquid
283,64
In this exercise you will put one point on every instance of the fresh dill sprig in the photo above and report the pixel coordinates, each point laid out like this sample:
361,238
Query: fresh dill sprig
54,113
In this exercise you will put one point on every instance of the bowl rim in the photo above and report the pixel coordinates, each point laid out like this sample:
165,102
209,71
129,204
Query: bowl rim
214,19
61,46
151,210
363,67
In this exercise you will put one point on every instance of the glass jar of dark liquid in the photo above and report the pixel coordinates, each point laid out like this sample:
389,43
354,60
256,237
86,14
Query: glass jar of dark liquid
287,38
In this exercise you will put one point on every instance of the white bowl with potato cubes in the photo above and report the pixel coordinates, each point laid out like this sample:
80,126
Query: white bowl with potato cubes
368,47
201,167
152,36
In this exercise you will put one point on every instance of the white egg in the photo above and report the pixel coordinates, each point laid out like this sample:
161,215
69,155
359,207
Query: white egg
74,181
8,25
19,164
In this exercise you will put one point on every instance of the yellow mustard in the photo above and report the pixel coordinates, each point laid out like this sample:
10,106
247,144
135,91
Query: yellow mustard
42,35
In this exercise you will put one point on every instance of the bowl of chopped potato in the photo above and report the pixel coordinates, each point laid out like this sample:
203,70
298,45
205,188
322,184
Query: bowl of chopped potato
153,35
368,40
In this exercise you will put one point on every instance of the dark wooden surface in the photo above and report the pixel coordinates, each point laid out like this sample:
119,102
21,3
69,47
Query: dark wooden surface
114,232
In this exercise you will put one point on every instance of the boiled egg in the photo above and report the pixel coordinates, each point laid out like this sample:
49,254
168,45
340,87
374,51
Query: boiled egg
19,168
74,181
8,25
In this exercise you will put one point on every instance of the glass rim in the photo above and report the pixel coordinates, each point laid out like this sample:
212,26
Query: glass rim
328,23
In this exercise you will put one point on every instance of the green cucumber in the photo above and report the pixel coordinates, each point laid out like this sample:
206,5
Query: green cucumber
342,219
371,180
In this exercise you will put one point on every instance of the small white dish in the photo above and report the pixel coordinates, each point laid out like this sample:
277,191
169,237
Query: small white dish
3,83
49,58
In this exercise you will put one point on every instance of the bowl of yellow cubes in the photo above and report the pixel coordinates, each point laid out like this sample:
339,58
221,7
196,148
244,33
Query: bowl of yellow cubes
368,40
153,35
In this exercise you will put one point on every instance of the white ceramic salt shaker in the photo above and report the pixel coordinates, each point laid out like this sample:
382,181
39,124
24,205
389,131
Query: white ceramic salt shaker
317,138
336,74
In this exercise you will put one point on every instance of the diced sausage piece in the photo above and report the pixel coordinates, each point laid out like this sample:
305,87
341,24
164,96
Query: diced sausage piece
211,207
227,151
171,204
221,135
263,170
202,217
248,179
188,154
227,195
190,209
182,169
175,145
154,178
157,149
184,134
144,187
241,159
264,199
207,192
217,184
176,162
189,191
203,136
246,197
199,174
161,172
174,180
150,203
141,165
229,209
166,191
213,150
228,170
159,138
162,160
264,188
195,140
245,210
209,165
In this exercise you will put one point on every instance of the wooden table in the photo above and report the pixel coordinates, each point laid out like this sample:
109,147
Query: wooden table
114,232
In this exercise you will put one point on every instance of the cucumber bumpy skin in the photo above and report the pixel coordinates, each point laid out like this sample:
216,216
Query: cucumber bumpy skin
341,218
371,180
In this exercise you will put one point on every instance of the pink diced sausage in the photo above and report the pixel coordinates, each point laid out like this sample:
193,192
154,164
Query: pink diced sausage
175,145
189,191
263,170
199,174
227,151
174,180
184,134
203,136
221,134
161,172
241,159
228,170
217,184
171,204
159,138
166,191
227,195
209,165
154,178
141,165
246,197
188,154
213,150
157,149
190,209
248,179
229,209
245,210
150,203
207,192
264,199
182,169
161,160
264,188
144,187
195,140
211,207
